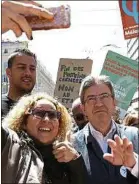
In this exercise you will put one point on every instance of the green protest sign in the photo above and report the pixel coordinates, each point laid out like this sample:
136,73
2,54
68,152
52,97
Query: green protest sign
123,72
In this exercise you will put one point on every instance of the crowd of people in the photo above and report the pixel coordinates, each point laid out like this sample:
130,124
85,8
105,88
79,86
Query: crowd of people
47,144
41,142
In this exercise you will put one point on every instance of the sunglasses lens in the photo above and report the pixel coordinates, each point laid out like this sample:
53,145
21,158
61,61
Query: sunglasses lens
39,113
50,114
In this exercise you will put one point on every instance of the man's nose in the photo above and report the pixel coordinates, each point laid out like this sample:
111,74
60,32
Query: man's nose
98,101
27,71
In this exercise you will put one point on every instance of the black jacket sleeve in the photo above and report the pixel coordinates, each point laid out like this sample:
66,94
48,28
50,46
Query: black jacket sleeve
131,179
137,182
4,135
78,171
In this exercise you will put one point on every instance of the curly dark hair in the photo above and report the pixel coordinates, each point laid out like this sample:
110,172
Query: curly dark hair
16,118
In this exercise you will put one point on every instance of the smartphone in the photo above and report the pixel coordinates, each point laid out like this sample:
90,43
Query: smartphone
61,19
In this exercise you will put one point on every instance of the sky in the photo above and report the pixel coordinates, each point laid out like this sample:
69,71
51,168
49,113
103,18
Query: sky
93,25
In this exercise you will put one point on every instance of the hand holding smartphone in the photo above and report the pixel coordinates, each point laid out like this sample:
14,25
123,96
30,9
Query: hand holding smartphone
61,19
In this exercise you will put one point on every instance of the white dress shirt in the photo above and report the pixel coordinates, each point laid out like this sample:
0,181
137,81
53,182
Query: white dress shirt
100,138
102,141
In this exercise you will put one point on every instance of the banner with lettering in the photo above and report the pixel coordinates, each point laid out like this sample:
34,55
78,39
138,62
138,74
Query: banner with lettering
69,77
130,18
123,72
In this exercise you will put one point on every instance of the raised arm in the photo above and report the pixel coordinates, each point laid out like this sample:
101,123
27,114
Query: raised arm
13,16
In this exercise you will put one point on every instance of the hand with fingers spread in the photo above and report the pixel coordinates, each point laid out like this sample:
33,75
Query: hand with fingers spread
121,152
64,151
13,16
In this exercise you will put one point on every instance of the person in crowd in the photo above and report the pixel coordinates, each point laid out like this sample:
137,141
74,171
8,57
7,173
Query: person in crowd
116,115
21,72
98,101
13,16
35,146
132,119
78,115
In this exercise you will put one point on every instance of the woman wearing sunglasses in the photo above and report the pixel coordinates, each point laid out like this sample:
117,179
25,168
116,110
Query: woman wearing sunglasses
35,148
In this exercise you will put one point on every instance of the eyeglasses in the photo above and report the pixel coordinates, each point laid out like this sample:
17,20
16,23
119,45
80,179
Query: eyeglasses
91,100
40,114
79,116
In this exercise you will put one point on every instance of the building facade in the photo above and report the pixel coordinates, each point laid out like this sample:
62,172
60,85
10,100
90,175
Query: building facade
135,101
44,82
133,49
133,53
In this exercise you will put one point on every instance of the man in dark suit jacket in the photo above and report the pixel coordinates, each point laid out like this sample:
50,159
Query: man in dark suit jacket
98,101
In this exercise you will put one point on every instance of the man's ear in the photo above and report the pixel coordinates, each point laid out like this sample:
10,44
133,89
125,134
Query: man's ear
83,108
115,102
8,72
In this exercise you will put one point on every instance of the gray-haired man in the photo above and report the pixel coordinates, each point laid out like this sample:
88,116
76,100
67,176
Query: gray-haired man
98,101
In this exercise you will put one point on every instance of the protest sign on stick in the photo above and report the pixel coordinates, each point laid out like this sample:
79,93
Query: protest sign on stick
123,72
69,77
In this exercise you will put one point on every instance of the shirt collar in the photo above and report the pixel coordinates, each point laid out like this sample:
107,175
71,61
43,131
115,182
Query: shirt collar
90,129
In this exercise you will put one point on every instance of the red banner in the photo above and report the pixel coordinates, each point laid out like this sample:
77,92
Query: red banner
130,18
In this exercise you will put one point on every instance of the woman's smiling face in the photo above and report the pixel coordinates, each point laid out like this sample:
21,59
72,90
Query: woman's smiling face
43,122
